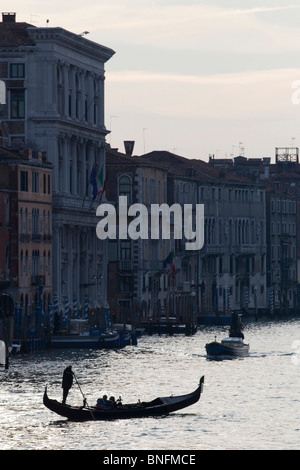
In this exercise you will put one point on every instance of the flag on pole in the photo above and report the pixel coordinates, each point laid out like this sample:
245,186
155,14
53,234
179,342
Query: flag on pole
100,181
169,259
102,191
93,182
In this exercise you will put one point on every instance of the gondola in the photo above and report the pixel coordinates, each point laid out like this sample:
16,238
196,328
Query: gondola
158,407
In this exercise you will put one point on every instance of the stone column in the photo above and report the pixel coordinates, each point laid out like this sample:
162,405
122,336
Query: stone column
53,156
66,87
83,167
73,154
73,92
101,101
65,181
90,163
82,117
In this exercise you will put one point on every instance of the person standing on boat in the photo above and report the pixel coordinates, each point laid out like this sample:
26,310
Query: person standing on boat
236,327
67,382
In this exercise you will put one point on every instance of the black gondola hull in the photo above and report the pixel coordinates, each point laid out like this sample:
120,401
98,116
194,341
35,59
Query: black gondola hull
158,407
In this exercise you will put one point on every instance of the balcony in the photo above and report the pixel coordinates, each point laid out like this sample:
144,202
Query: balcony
215,249
125,265
36,238
47,238
247,249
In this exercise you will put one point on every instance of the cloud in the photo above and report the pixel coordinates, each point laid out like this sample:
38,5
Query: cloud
195,27
170,26
192,106
257,93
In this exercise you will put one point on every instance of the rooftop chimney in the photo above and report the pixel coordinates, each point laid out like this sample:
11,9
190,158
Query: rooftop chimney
129,144
8,17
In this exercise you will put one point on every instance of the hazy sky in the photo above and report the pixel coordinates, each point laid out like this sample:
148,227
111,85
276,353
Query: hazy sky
195,77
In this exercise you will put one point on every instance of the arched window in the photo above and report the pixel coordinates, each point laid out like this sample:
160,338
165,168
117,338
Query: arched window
26,263
21,264
44,222
44,262
26,222
49,264
21,220
49,223
35,262
125,187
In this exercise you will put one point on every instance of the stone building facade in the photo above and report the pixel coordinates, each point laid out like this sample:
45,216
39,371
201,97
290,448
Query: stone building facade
281,183
229,272
162,277
137,280
26,217
55,104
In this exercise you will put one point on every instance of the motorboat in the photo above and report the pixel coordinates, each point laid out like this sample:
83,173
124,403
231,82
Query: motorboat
228,347
231,346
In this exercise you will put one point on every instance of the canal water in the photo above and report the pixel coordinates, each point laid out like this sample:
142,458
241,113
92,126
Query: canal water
249,403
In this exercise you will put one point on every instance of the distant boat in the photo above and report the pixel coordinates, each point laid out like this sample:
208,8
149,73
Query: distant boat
158,407
92,341
81,336
228,347
232,346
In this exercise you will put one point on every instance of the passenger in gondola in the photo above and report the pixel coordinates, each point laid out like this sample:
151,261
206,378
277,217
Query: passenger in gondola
119,401
67,382
103,403
112,402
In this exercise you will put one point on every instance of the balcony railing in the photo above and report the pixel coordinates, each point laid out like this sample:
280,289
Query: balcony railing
125,265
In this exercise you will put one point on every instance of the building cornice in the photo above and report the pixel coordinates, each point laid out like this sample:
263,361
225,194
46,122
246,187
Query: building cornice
71,40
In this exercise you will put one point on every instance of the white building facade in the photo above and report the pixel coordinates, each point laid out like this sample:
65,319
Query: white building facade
59,109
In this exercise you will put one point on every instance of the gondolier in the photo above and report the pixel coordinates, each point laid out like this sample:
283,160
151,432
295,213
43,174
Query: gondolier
67,382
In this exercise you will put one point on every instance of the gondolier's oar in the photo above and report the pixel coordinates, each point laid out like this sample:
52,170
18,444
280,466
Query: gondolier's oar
84,399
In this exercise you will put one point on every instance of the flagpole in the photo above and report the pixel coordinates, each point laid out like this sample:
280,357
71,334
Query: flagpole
83,200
